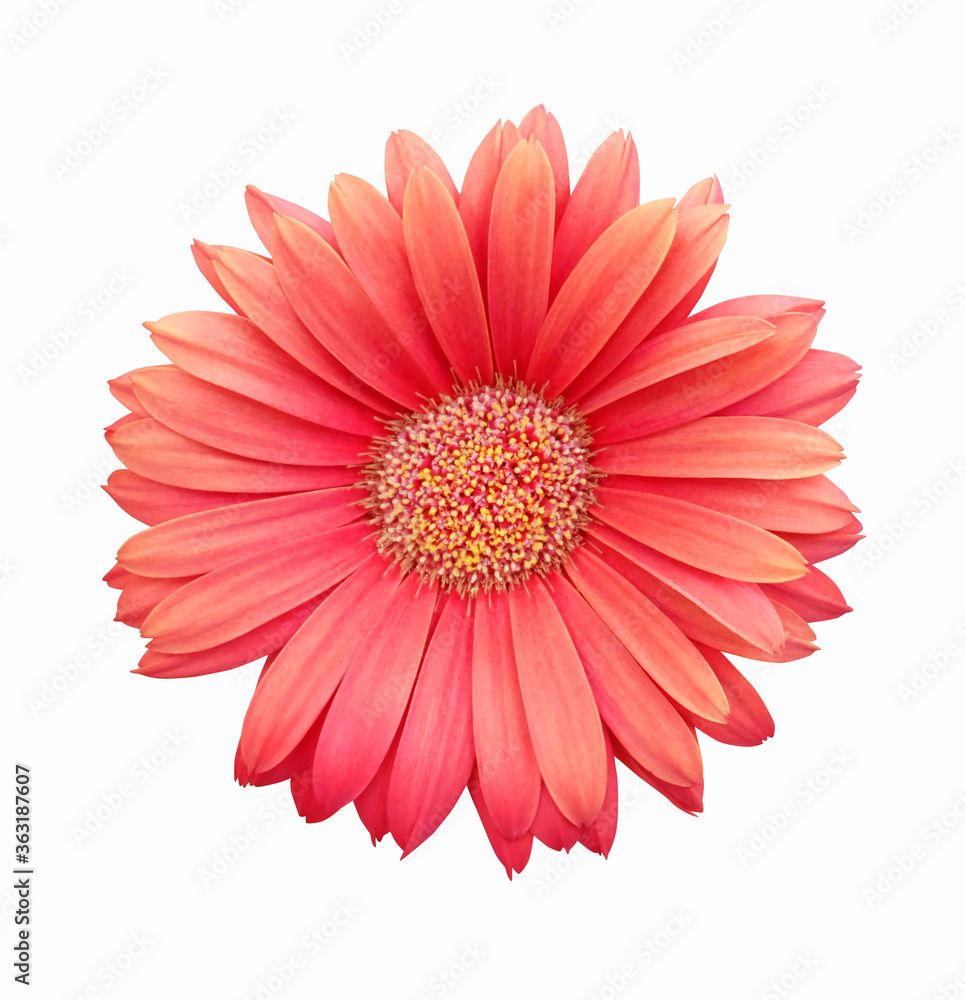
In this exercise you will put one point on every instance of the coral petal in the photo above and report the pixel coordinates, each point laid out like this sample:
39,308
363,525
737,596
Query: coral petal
369,703
508,772
445,275
405,152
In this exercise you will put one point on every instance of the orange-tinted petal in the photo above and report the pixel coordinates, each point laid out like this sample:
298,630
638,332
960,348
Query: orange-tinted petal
727,447
405,152
445,276
599,292
560,711
520,253
262,209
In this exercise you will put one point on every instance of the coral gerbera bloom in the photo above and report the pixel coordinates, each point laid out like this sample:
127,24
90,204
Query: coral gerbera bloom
494,505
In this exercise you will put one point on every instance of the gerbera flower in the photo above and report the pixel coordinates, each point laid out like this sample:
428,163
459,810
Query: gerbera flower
493,503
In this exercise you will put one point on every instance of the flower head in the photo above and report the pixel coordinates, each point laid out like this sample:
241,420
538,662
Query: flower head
494,504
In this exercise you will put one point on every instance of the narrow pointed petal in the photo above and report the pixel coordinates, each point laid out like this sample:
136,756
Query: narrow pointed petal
741,607
153,502
545,129
599,292
142,594
697,242
705,192
560,711
816,548
630,704
369,703
333,305
551,826
812,391
680,350
238,424
700,537
765,306
373,243
231,600
608,188
810,504
749,723
200,542
405,152
260,641
727,447
508,772
653,640
231,352
204,257
149,449
445,276
122,389
296,763
254,282
520,253
599,835
436,754
372,803
513,852
312,663
815,597
688,798
262,209
711,386
476,198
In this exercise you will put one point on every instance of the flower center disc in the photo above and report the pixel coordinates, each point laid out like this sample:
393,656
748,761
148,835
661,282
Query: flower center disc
482,489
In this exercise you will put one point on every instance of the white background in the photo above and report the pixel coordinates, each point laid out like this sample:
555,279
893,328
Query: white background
823,908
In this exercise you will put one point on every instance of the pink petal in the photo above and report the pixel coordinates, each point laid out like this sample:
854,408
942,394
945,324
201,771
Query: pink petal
262,209
153,502
253,645
727,447
697,241
608,188
599,835
816,548
708,387
551,826
508,772
435,755
254,283
333,305
652,639
312,663
149,449
749,723
372,803
700,537
475,201
230,351
560,711
445,275
373,244
705,192
741,607
809,504
815,597
204,257
200,542
630,704
405,152
238,424
599,292
679,350
233,599
689,798
513,852
815,389
369,703
520,249
545,129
